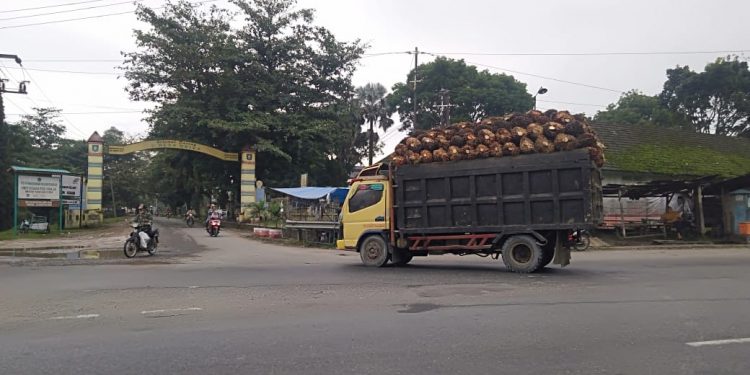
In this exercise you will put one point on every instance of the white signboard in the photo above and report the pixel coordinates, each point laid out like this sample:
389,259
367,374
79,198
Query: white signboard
38,187
71,186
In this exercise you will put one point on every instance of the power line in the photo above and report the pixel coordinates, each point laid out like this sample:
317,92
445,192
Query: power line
93,112
38,87
572,103
69,10
66,71
92,17
71,60
592,53
50,6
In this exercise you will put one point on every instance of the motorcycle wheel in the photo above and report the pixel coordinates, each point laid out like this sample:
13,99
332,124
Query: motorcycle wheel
583,243
190,222
130,248
152,249
214,232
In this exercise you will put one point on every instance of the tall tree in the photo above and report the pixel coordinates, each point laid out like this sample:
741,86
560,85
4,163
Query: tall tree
371,98
475,94
44,127
274,82
6,179
716,100
636,108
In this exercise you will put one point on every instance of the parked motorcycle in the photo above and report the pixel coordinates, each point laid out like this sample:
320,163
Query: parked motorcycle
579,239
140,240
214,226
189,220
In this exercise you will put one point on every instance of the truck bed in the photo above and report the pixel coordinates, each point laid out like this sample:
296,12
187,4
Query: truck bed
537,192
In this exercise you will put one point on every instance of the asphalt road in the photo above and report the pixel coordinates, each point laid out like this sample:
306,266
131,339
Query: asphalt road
237,306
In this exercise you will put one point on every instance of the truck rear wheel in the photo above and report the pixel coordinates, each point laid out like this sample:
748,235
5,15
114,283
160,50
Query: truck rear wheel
374,251
401,257
522,254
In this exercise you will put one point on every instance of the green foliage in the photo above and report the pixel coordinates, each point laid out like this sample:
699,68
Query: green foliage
44,127
716,100
636,108
124,175
6,179
371,99
676,159
265,77
476,94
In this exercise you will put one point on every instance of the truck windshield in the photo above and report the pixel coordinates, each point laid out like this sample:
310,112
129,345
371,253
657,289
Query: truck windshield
364,197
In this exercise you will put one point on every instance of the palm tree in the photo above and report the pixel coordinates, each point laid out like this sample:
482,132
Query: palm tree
371,99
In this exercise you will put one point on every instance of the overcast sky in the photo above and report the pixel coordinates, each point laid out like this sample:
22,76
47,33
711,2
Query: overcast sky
460,29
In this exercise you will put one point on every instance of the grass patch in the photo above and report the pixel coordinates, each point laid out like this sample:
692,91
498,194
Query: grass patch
55,233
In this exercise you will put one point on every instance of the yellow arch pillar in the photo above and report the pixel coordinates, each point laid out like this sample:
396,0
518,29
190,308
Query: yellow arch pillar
94,178
247,179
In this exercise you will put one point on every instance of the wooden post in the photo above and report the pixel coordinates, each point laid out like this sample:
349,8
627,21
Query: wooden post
622,212
699,207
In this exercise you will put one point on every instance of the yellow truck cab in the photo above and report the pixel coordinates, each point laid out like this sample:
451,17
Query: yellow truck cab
367,208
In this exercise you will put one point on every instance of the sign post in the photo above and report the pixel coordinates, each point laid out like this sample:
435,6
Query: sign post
15,204
60,210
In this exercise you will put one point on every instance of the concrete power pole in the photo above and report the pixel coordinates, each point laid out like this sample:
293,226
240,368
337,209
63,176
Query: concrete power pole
414,87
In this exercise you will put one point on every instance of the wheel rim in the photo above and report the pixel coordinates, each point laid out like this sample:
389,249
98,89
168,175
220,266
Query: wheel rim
373,251
521,254
130,249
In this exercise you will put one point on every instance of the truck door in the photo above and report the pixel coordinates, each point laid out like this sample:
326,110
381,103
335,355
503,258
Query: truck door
364,210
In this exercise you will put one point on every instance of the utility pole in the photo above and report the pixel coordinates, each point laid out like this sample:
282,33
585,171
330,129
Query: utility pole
4,157
445,107
414,87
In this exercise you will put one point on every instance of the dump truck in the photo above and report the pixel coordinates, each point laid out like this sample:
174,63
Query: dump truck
521,209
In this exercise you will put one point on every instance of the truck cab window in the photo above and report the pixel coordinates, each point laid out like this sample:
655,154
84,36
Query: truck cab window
364,198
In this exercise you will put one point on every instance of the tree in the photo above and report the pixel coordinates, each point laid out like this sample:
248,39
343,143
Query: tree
124,175
636,108
716,100
475,94
276,83
6,180
44,127
371,98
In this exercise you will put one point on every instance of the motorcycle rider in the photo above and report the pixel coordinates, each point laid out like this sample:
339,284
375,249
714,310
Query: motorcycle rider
143,217
211,210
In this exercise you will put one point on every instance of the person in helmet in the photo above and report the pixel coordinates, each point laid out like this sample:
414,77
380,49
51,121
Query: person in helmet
211,211
143,216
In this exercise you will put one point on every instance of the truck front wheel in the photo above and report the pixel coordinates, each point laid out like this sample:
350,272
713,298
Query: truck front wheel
374,251
522,254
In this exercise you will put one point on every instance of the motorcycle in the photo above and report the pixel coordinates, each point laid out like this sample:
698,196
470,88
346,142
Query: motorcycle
579,239
189,220
139,240
214,226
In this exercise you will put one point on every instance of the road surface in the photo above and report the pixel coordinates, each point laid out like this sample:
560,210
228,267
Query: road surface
238,306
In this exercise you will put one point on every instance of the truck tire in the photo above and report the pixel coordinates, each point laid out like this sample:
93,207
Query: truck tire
522,254
547,256
373,251
401,257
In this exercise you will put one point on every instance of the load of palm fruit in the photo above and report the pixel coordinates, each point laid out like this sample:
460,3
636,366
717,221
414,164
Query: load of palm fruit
510,135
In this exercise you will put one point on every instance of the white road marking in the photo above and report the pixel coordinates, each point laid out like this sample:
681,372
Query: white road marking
696,344
171,310
83,316
193,287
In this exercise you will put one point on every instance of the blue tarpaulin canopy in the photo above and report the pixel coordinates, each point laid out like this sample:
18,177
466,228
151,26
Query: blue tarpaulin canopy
315,193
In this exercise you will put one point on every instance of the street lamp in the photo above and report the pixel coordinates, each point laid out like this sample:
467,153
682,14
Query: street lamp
541,91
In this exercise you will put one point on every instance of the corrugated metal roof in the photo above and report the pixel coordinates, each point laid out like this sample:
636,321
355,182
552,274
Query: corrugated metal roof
17,168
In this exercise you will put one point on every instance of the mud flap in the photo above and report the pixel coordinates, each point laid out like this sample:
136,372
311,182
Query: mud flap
562,253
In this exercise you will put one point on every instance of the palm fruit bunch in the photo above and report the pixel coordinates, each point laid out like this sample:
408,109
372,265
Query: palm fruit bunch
502,136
